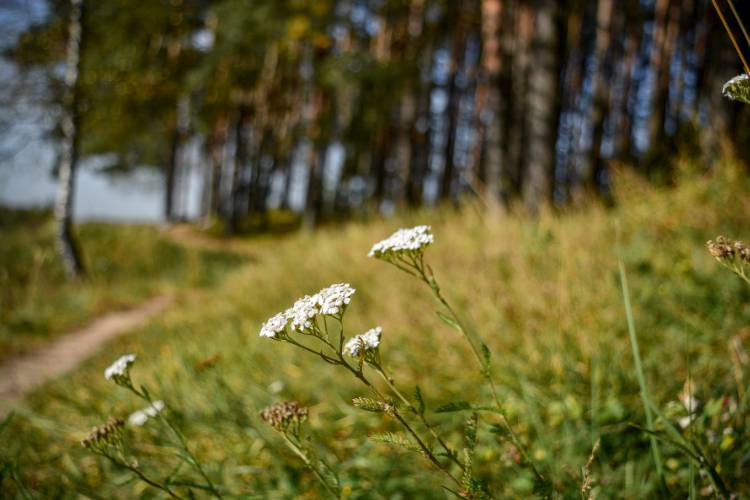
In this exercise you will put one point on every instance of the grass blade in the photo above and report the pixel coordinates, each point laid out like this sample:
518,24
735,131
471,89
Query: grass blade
638,364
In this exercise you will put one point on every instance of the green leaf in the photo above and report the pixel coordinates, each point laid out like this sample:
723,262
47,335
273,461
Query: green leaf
542,489
420,401
330,476
390,438
470,439
464,405
6,423
448,321
487,356
738,88
500,430
370,405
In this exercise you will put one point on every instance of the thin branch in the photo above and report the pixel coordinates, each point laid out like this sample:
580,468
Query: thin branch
744,63
736,16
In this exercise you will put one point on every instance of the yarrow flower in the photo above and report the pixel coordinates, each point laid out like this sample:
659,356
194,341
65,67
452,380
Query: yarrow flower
140,417
370,339
335,298
137,418
738,88
119,368
273,326
302,312
403,240
330,301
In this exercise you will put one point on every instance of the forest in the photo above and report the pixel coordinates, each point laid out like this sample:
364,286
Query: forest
546,319
338,110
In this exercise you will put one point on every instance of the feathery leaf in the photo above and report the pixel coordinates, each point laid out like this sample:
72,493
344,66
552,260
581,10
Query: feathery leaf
370,405
390,438
420,401
464,405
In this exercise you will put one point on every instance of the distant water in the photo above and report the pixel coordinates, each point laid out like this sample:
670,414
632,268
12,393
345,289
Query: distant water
26,182
27,157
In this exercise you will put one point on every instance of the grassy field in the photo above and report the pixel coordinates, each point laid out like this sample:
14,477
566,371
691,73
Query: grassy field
125,266
543,294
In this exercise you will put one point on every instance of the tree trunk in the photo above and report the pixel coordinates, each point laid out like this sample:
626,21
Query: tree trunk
489,107
458,50
66,245
207,187
312,200
518,87
217,153
174,152
659,66
589,160
542,106
240,160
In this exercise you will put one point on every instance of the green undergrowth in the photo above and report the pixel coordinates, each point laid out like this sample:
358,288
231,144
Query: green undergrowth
125,265
543,294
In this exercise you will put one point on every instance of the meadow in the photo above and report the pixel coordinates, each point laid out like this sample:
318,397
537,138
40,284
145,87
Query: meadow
544,294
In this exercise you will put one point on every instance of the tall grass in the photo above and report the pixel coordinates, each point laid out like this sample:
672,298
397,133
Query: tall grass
125,266
546,295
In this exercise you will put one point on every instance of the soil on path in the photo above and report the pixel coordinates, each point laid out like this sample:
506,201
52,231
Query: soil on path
21,374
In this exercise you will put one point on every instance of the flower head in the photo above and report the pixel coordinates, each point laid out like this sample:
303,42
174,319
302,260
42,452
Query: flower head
281,416
335,298
120,368
370,339
137,418
140,417
274,326
302,312
403,240
108,434
737,88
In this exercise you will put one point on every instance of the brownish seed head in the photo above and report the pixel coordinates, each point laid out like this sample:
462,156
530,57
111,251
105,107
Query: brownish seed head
281,415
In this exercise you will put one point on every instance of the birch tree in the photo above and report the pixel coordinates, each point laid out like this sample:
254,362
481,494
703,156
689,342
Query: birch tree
66,244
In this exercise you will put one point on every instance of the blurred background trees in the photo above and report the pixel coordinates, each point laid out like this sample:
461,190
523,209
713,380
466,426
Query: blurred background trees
345,108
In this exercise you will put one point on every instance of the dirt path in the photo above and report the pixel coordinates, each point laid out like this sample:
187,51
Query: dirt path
186,234
21,374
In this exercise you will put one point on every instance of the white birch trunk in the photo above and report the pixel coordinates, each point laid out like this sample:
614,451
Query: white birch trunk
66,245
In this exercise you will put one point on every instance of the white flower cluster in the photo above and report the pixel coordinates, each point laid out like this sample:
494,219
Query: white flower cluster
415,238
302,312
274,325
119,367
371,340
329,301
140,417
334,298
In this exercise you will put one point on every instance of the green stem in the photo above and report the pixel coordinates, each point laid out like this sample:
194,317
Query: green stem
421,418
429,455
180,437
307,461
439,297
142,477
426,451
